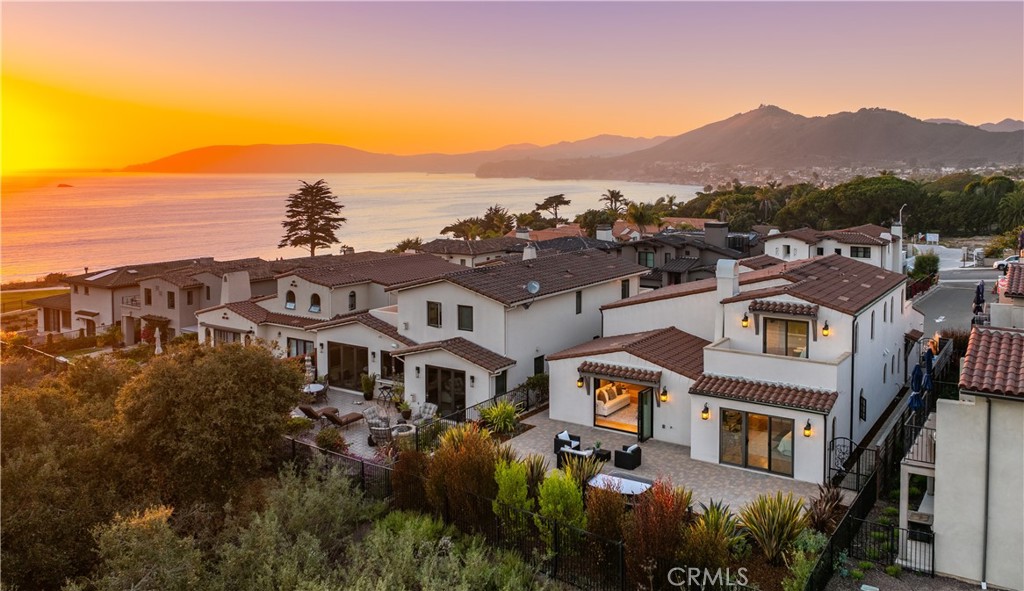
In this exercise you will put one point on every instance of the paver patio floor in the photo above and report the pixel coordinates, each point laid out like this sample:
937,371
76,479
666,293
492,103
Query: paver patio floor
734,486
356,433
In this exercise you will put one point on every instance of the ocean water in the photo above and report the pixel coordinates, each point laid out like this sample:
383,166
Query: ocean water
105,220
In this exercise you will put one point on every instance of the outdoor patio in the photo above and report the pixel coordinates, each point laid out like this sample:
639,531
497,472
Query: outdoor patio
735,486
356,433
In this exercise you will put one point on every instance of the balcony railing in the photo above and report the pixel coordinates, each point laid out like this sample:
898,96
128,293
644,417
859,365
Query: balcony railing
130,302
920,441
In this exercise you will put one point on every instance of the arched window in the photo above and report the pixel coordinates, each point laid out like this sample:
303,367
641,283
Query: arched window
885,370
248,340
892,309
289,300
314,303
892,364
351,300
872,325
885,311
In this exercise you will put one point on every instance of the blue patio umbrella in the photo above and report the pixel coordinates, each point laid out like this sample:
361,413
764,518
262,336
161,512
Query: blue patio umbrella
915,379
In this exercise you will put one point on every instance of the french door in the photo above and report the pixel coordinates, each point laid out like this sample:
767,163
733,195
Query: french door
645,414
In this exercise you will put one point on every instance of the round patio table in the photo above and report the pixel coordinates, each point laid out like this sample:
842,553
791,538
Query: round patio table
316,390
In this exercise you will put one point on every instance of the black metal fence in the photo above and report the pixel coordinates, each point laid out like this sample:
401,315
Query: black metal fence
524,399
920,286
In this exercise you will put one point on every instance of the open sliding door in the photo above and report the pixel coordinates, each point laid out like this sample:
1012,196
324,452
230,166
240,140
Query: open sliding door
645,415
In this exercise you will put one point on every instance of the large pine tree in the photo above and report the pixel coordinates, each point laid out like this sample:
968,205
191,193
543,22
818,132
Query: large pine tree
312,218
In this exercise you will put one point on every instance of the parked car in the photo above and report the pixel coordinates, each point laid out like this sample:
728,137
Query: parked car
1001,265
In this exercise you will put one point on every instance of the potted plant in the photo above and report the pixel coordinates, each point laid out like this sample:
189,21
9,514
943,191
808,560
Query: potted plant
405,409
369,384
597,445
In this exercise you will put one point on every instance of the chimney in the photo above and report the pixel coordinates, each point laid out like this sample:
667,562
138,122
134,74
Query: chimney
728,277
529,252
523,233
717,234
896,230
87,270
604,232
236,287
346,250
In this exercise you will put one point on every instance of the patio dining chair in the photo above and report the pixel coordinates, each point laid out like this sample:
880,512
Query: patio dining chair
381,434
374,417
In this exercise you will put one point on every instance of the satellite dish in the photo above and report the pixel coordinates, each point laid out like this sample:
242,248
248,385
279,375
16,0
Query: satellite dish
532,287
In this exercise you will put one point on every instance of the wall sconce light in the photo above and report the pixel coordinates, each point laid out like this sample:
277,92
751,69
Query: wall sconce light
373,356
745,321
417,371
705,413
321,346
807,428
579,381
663,395
825,329
472,381
278,334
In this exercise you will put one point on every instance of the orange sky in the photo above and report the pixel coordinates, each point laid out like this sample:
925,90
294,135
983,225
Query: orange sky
106,85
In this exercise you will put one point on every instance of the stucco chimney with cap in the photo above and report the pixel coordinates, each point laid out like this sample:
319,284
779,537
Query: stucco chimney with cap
523,232
529,252
717,234
604,232
728,276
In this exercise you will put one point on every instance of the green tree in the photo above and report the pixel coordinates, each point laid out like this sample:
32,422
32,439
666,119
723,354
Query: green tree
205,420
616,203
497,221
551,205
312,218
407,244
592,218
1011,210
559,500
643,215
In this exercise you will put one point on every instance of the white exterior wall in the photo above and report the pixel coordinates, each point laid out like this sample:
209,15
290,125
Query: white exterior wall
1008,314
576,405
960,451
798,249
690,314
364,298
182,314
488,316
468,260
808,452
303,292
872,355
357,335
881,256
99,300
478,390
228,319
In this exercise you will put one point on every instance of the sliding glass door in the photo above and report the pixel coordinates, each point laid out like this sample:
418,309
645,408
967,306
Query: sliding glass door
447,389
757,441
345,365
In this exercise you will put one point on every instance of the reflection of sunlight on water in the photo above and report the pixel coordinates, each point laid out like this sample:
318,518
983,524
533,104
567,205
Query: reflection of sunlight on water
121,218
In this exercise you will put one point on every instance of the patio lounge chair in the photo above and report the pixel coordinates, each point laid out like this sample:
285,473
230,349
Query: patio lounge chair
374,417
427,412
564,439
628,457
310,412
344,420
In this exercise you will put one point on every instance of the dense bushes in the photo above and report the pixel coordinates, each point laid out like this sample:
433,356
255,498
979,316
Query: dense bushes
460,479
774,521
331,439
501,417
653,532
925,264
560,501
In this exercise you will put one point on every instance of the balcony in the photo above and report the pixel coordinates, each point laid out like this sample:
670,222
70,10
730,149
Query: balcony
721,359
920,443
131,302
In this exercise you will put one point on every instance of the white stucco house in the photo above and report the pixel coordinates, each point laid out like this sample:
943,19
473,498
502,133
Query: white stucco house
793,357
472,253
868,243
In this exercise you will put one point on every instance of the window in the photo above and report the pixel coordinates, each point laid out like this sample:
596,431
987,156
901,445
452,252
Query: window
189,297
147,296
289,300
170,300
579,302
856,336
351,300
885,311
390,366
757,441
820,251
785,250
207,293
625,288
462,262
434,314
86,290
668,257
465,318
885,370
76,289
863,407
785,337
646,259
538,365
860,252
225,336
892,308
298,347
892,364
314,303
872,324
501,383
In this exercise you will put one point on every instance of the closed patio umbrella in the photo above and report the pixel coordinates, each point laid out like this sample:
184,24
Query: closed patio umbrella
159,348
310,374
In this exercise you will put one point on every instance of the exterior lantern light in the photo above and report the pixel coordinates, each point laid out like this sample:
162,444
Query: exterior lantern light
472,381
663,395
579,381
745,322
807,428
705,413
825,329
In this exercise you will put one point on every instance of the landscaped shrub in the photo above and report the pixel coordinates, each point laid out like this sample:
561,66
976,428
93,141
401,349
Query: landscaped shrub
507,453
960,336
825,510
856,574
774,522
810,541
562,501
801,566
512,500
865,565
894,570
539,386
581,469
925,264
331,439
502,417
298,425
460,479
605,508
408,481
891,511
536,469
653,533
709,540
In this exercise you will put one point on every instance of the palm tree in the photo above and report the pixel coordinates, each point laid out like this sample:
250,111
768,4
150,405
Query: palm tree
643,215
497,220
765,197
615,201
1011,210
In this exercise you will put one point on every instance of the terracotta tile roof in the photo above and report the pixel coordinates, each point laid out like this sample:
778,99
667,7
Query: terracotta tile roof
60,301
847,237
622,372
679,239
550,233
573,243
808,235
506,283
368,320
254,312
1014,281
760,262
668,348
282,266
387,272
679,265
994,362
775,307
185,277
868,234
129,275
692,287
913,335
785,395
89,313
622,229
873,230
473,247
467,350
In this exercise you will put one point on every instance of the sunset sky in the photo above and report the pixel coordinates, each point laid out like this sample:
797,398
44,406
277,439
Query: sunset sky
106,85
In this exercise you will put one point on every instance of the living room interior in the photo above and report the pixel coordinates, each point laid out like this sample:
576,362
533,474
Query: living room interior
616,405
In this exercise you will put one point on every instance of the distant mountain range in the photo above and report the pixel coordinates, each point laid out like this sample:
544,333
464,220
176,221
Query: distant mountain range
335,158
767,137
1002,126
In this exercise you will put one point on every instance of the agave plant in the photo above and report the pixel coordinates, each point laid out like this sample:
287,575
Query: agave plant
712,536
774,522
581,469
823,511
502,417
507,453
536,469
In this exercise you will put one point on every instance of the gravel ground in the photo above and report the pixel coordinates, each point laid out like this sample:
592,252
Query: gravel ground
907,582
